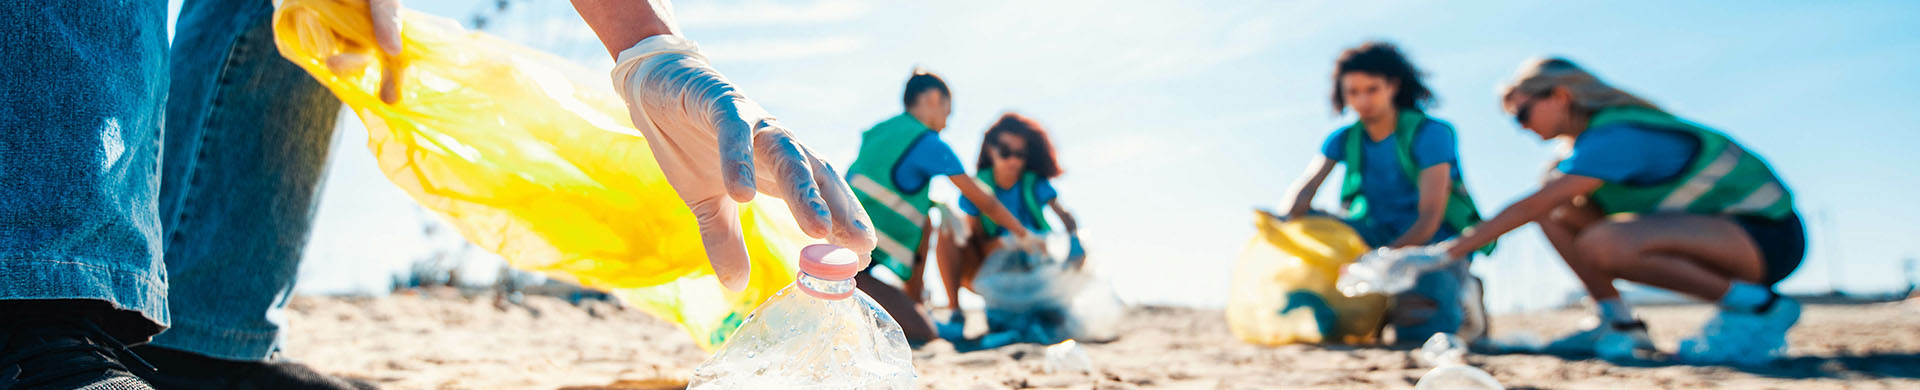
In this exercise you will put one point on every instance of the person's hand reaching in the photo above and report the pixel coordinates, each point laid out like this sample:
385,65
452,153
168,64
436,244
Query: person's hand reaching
718,148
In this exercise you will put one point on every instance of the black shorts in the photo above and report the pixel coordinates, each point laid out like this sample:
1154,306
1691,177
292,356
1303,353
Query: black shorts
1782,243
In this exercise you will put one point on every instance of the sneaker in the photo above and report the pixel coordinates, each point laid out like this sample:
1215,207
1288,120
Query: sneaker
1473,326
62,352
1616,341
1743,338
954,328
176,369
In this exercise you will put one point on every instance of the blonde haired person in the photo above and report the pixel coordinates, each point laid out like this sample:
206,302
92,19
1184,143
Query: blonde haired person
1648,197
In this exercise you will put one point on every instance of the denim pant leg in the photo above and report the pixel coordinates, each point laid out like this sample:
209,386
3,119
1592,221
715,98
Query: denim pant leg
247,141
1444,287
82,87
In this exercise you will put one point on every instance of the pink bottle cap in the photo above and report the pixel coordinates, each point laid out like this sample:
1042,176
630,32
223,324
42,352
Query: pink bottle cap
828,262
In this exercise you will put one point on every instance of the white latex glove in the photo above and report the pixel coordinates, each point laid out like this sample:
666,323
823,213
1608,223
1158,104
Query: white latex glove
717,148
1390,270
385,17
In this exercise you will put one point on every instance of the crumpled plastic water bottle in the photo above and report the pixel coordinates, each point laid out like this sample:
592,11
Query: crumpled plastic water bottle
1448,353
819,333
1068,357
1389,270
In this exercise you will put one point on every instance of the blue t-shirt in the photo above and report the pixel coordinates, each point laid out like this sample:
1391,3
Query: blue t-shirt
928,158
1011,197
1393,199
1630,154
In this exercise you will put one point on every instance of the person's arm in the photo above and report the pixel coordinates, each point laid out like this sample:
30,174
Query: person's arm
622,23
976,192
1066,218
1307,185
1556,192
1436,183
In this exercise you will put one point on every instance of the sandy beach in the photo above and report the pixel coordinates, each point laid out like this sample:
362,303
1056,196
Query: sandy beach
441,340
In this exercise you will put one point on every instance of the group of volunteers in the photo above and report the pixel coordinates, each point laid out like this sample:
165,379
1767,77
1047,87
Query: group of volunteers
1639,194
1005,200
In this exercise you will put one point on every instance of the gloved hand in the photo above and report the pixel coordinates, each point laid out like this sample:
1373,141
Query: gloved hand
1032,243
1391,270
717,148
385,17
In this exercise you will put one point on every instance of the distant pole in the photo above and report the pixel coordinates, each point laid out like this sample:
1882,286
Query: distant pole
1833,262
1911,286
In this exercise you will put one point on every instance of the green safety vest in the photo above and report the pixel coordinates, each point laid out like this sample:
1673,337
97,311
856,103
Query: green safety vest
1461,214
1723,178
899,217
1027,200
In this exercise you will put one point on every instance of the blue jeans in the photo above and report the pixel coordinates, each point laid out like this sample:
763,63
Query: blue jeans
1442,308
230,202
81,92
247,142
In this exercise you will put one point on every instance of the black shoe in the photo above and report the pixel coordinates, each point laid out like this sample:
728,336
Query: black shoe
180,370
56,351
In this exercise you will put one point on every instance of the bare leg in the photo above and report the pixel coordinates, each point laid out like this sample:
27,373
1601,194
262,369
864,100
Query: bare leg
959,261
917,283
950,254
1562,227
1695,255
976,254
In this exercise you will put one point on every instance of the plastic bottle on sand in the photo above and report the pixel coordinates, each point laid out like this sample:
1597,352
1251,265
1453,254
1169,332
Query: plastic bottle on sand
819,333
1448,353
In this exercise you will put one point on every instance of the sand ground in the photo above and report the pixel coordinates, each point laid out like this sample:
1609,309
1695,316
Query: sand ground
440,340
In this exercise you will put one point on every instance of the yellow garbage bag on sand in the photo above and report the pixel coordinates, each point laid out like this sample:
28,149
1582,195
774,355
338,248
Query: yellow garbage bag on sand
1283,285
534,158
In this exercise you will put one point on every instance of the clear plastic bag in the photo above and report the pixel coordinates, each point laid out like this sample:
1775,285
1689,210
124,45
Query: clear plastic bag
1049,293
534,158
1389,271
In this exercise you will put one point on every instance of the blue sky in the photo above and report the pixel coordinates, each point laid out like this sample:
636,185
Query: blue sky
1174,119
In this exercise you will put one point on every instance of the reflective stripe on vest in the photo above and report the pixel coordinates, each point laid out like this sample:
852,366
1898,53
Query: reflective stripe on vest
889,198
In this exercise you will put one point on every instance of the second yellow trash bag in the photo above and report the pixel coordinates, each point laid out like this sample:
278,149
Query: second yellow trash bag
534,158
1283,285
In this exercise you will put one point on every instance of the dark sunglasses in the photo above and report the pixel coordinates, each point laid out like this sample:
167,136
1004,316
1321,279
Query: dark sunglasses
1525,112
1009,152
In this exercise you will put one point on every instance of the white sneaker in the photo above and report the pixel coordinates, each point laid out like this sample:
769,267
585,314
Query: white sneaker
1611,342
1743,338
1473,327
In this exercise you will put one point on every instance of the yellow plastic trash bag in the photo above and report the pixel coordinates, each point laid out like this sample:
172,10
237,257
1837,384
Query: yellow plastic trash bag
1283,285
534,158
